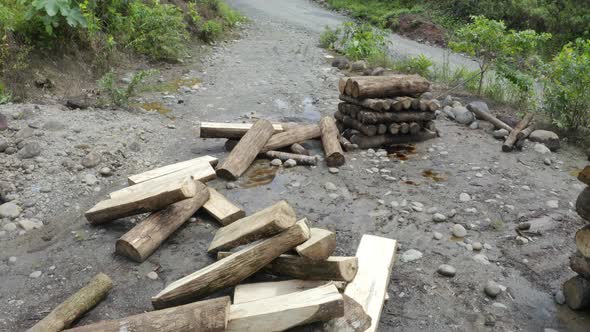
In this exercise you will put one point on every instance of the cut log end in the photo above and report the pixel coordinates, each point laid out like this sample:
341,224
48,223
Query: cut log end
577,293
583,241
225,174
335,160
124,248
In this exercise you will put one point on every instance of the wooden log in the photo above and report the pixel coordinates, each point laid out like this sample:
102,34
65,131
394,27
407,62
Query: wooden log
394,128
584,175
143,239
404,128
365,142
583,204
245,151
335,268
204,316
221,209
284,156
262,224
512,137
342,84
355,318
367,117
320,246
339,116
283,312
379,105
486,116
382,129
75,306
165,170
368,130
523,134
299,149
376,256
430,125
231,270
348,87
346,145
577,293
330,142
291,136
263,290
230,144
401,104
147,197
414,128
388,86
230,130
583,240
580,264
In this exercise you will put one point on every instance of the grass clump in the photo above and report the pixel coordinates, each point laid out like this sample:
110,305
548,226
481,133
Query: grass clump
118,95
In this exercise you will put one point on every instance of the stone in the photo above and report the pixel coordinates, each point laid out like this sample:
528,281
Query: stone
106,171
559,297
10,210
552,204
290,163
35,274
276,162
477,246
448,101
3,122
231,185
152,275
547,161
3,145
492,289
459,231
474,125
417,206
448,111
437,235
464,197
499,306
333,170
452,214
446,270
549,138
500,133
30,150
521,240
478,105
358,65
541,149
439,217
90,179
23,134
411,255
10,227
330,186
30,224
463,115
91,160
12,260
481,258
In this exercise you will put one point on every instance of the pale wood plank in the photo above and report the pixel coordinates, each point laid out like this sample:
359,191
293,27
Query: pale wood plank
165,170
263,290
220,208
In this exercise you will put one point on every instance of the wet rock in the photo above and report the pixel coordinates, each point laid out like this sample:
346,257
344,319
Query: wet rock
463,115
30,150
411,255
446,270
439,217
437,235
459,231
333,170
492,289
276,162
10,210
541,148
549,138
464,197
358,65
478,105
3,122
477,246
231,185
500,133
552,204
330,186
91,160
290,163
559,297
106,171
152,275
35,274
30,224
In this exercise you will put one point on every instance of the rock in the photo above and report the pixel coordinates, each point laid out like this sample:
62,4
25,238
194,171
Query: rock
448,111
91,160
90,179
134,146
521,240
446,270
341,63
290,163
427,96
10,210
549,138
559,297
474,125
463,115
437,235
500,133
541,148
358,65
439,217
10,150
12,260
23,134
3,145
152,275
411,255
448,101
231,185
30,150
106,171
417,206
30,224
477,246
9,227
330,186
547,161
276,162
492,289
378,71
459,231
35,274
552,204
333,170
499,306
478,105
3,122
452,214
481,258
509,120
464,197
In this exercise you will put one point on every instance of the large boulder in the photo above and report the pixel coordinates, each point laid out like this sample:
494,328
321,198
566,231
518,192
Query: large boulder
358,65
549,138
478,105
463,115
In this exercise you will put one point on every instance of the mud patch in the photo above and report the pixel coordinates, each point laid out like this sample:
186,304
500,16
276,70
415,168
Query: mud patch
259,174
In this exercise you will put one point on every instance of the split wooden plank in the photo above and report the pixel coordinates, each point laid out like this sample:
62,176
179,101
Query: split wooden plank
584,175
146,197
283,312
264,223
332,148
165,170
293,135
583,204
143,239
231,270
320,246
262,290
231,130
513,136
204,316
220,208
245,151
75,306
376,256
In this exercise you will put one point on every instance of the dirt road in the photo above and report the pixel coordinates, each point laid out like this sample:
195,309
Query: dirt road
277,72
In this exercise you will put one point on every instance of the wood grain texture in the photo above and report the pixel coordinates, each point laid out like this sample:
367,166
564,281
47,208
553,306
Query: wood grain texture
366,142
320,246
355,318
230,130
262,290
583,204
584,175
583,241
513,136
486,116
168,169
388,86
330,142
221,209
577,293
296,134
299,149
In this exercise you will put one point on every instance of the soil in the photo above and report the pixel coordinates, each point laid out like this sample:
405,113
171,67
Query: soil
420,29
276,71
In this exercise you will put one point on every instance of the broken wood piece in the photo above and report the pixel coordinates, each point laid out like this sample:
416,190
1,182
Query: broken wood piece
284,156
366,142
342,84
231,130
378,105
513,136
221,209
245,151
293,135
577,293
486,116
75,306
143,239
299,149
584,175
204,316
165,170
346,145
376,256
355,318
388,86
580,264
583,204
330,142
414,128
583,240
262,224
231,270
283,312
320,246
262,290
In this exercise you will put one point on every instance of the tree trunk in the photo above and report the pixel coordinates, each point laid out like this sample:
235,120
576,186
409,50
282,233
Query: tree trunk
75,306
221,209
168,169
320,246
332,148
231,130
365,142
205,316
299,149
284,156
366,117
580,265
523,135
342,84
143,239
379,105
346,144
583,241
289,137
491,119
414,128
394,128
583,204
264,290
577,293
511,139
584,175
368,130
388,86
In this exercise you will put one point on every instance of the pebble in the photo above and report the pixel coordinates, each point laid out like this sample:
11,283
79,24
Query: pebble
276,162
90,179
10,210
492,289
105,171
333,170
446,270
547,161
432,210
12,260
35,274
417,206
541,148
30,150
464,197
439,217
30,224
152,275
411,255
481,258
500,133
521,240
459,231
91,159
330,186
231,185
452,213
437,235
552,204
499,306
290,163
477,246
559,297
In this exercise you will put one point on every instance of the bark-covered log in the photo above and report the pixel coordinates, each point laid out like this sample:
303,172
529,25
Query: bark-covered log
584,175
382,129
346,145
394,128
414,128
511,139
368,130
490,118
577,293
378,105
404,128
231,130
583,204
580,264
299,149
365,142
583,241
342,84
291,136
388,86
330,142
367,117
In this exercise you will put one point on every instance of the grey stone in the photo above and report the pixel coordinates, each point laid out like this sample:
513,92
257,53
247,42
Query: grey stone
448,111
276,162
481,258
30,224
549,138
552,204
378,71
446,270
330,186
53,125
90,179
448,101
333,170
464,197
411,255
439,217
474,125
541,148
521,240
23,134
10,227
91,160
3,122
341,63
152,275
427,96
12,260
499,306
3,145
10,210
35,274
231,185
477,246
463,115
478,105
358,65
500,133
547,161
10,150
459,231
437,235
492,289
105,171
290,163
559,297
30,150
134,146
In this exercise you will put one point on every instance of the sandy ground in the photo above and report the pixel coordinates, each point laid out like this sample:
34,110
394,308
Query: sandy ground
276,71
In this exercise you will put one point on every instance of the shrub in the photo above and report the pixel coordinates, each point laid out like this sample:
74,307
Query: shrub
54,13
420,65
211,30
329,37
120,95
362,40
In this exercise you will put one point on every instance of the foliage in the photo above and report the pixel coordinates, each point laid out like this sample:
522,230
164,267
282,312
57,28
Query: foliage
360,41
120,95
420,65
211,30
4,95
329,37
54,12
567,86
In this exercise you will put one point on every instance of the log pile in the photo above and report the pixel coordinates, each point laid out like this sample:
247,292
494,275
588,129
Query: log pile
382,110
338,293
576,290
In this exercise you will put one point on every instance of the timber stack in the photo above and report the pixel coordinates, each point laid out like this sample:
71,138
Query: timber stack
378,111
576,290
338,293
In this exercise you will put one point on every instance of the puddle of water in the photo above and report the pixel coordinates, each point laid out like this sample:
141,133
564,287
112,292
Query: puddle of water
400,151
436,177
173,85
309,111
259,174
154,107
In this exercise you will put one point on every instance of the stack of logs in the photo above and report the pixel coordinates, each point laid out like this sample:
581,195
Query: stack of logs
384,110
344,293
577,289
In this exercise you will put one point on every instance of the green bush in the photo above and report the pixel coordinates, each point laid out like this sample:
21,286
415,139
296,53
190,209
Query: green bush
120,95
211,30
420,65
567,86
329,37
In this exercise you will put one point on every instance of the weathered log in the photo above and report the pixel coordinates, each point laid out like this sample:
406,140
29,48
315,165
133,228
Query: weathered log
204,316
284,156
263,290
291,136
379,105
348,87
583,240
486,116
264,223
231,270
339,116
342,84
143,239
283,312
367,117
168,169
414,128
230,144
583,204
584,175
512,137
394,128
355,318
231,130
332,148
430,125
365,142
401,104
388,86
577,293
221,209
382,129
246,150
580,264
299,149
368,130
320,246
346,144
404,128
75,306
